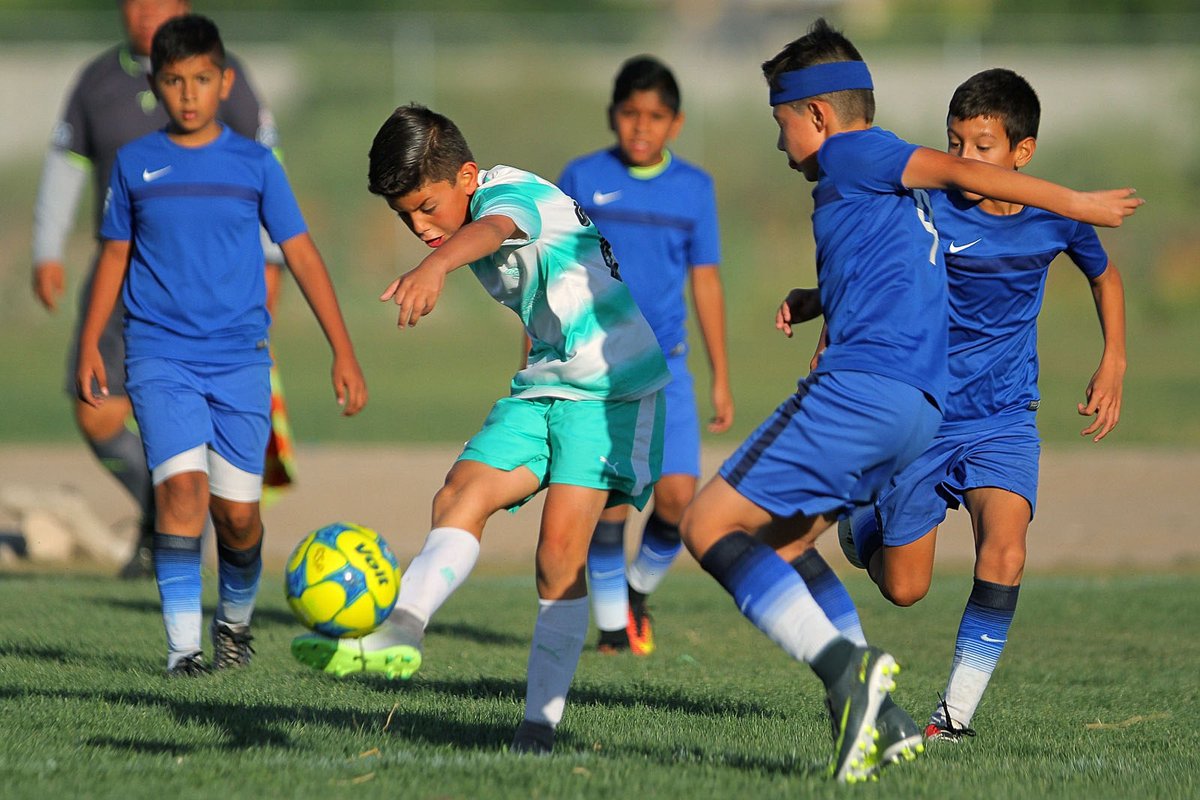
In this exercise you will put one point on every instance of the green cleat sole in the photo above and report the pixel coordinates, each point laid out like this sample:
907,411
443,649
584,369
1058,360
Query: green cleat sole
342,657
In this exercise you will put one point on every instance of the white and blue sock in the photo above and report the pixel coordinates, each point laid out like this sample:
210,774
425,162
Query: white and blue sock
981,638
771,595
830,594
553,657
606,576
660,545
177,572
238,572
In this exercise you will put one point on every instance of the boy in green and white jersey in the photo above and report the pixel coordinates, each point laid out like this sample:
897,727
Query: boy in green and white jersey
584,417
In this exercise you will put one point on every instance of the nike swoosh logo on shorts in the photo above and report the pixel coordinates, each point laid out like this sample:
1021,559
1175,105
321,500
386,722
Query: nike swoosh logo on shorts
958,248
604,198
148,175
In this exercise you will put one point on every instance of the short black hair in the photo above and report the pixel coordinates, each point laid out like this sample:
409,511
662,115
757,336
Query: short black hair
415,146
1001,94
645,73
183,37
823,45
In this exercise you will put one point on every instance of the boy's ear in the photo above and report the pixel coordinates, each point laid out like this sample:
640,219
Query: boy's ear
1024,151
468,177
612,118
228,77
676,126
819,114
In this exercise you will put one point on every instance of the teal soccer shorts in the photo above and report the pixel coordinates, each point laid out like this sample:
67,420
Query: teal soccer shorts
594,443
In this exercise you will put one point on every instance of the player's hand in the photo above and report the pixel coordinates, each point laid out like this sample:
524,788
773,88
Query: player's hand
416,292
1103,395
800,305
49,283
722,403
349,385
91,372
1108,207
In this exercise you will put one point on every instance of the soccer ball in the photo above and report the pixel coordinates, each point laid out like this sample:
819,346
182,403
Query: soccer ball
342,580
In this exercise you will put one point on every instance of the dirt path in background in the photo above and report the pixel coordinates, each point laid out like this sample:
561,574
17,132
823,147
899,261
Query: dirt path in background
1097,508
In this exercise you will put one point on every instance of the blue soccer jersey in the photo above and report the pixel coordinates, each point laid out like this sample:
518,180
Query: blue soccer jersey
195,290
997,267
879,265
659,227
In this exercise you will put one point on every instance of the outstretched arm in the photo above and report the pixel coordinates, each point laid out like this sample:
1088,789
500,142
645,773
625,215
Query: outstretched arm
106,286
417,291
709,299
308,268
932,169
1103,391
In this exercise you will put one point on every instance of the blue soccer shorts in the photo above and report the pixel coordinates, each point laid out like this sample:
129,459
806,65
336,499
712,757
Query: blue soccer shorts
963,456
681,436
598,444
181,406
833,444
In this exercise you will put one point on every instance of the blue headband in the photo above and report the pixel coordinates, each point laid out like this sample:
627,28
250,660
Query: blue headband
835,76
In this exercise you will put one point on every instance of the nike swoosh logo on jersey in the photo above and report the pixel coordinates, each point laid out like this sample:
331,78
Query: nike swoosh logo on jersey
148,175
604,198
958,248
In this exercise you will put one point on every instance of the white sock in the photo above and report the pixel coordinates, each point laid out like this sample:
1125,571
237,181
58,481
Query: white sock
964,690
443,564
553,656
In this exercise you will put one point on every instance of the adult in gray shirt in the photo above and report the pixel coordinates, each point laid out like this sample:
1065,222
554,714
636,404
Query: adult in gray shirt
110,105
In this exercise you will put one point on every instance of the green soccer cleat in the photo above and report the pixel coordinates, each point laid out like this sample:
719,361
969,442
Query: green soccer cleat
900,738
377,653
854,701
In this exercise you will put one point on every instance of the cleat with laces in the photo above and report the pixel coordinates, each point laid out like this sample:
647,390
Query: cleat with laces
854,701
899,736
946,730
231,645
534,738
190,666
638,630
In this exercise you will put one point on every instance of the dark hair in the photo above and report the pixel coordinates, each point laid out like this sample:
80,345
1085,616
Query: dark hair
645,73
823,45
183,37
414,147
1001,94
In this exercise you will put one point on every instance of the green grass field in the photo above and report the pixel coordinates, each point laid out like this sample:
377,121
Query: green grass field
1096,697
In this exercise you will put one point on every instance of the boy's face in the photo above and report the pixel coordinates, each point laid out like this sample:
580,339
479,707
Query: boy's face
800,136
644,124
984,139
191,91
143,18
437,210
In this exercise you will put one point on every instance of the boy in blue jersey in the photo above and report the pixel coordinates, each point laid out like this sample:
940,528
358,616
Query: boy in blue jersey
660,215
985,455
182,248
583,420
874,402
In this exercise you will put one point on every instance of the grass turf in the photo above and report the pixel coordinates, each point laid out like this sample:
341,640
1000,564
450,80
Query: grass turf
1096,697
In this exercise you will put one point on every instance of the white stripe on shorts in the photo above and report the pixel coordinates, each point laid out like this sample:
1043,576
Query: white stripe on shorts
643,439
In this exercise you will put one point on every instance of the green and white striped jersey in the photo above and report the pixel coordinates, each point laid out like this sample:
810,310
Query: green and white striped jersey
589,341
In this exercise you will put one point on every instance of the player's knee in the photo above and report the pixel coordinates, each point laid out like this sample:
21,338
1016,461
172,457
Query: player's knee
1002,563
904,592
559,578
669,506
183,496
237,523
102,424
